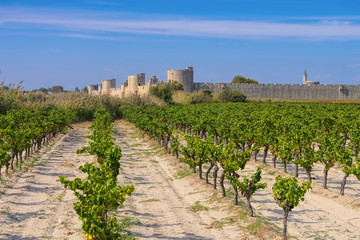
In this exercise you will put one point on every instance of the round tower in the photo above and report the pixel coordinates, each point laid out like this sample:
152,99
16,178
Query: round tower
185,77
133,82
107,85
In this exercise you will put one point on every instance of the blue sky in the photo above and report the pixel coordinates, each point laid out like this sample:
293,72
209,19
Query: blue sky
76,43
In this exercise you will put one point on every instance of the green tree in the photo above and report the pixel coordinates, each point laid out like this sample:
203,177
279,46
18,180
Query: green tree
57,89
241,79
288,194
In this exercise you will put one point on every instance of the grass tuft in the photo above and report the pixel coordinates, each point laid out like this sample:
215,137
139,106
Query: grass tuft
218,224
197,207
184,173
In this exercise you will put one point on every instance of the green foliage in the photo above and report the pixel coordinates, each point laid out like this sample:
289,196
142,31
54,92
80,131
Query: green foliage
24,129
250,186
226,95
302,134
189,151
307,159
355,169
99,193
175,145
241,79
164,90
288,193
101,140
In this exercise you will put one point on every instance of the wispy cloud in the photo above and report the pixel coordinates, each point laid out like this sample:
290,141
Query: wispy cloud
81,23
354,65
89,36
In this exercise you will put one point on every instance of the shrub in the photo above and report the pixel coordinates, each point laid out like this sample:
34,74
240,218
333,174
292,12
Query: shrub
226,95
164,90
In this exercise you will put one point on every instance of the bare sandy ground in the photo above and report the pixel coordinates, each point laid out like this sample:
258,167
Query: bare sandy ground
169,202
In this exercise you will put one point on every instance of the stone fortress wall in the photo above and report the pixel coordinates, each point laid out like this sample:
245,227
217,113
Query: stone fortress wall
136,85
288,91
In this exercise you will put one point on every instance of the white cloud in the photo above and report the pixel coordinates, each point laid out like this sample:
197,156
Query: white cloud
87,36
98,23
335,22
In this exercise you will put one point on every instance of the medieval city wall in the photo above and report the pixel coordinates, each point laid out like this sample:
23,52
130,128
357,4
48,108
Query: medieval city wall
288,91
134,85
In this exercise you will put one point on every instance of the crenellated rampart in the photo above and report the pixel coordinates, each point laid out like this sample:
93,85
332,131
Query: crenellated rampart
288,91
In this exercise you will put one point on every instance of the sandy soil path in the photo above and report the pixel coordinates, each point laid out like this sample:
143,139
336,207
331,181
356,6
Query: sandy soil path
169,207
34,204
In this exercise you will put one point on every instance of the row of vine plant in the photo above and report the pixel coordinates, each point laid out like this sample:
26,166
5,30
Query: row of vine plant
298,134
99,194
24,131
207,148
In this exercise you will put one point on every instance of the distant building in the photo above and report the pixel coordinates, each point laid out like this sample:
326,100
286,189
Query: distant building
307,82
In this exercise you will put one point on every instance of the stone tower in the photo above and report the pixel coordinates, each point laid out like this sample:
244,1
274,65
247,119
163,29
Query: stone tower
185,77
108,85
134,81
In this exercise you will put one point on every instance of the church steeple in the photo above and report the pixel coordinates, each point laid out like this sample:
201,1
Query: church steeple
305,77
